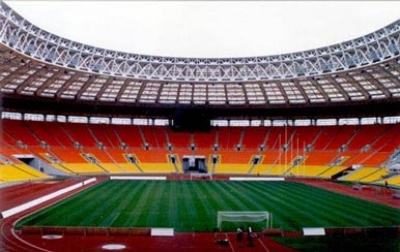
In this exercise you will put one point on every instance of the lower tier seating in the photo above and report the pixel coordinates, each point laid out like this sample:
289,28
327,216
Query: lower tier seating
226,150
157,167
391,181
19,172
365,174
232,168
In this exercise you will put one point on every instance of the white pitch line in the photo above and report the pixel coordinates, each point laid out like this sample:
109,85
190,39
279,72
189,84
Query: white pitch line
262,244
229,242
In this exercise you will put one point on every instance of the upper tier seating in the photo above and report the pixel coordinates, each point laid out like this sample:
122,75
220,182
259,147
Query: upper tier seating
80,133
205,140
304,136
42,130
58,132
365,136
326,135
345,133
105,135
155,136
389,140
179,140
229,137
17,131
278,137
129,135
254,137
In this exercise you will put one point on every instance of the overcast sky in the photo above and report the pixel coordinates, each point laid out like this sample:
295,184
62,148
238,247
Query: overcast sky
209,28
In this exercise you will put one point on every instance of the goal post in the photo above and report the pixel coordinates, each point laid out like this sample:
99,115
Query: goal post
244,216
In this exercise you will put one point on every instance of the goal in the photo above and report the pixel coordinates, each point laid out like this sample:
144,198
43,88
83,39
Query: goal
244,216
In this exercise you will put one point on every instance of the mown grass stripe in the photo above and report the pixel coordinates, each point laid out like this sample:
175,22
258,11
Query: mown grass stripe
346,206
127,215
272,202
207,206
231,203
187,207
120,203
67,212
193,205
162,215
172,195
312,216
321,217
140,210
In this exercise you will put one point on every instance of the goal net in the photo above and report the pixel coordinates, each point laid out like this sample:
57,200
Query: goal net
264,218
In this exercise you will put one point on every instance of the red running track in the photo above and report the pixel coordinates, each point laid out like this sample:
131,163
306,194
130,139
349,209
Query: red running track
191,242
15,241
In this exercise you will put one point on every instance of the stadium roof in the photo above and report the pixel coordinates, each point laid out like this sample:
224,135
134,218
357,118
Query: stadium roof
46,71
208,29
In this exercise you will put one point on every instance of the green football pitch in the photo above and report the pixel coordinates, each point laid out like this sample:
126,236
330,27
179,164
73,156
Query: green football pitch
189,206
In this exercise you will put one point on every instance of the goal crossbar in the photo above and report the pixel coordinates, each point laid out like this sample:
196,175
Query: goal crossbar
244,216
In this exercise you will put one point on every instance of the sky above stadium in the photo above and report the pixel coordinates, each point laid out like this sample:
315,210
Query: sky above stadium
214,29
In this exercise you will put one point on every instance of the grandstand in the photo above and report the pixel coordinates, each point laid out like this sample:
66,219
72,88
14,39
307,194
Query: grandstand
328,114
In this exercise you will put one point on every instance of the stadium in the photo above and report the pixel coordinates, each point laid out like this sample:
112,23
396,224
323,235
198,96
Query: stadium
105,150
